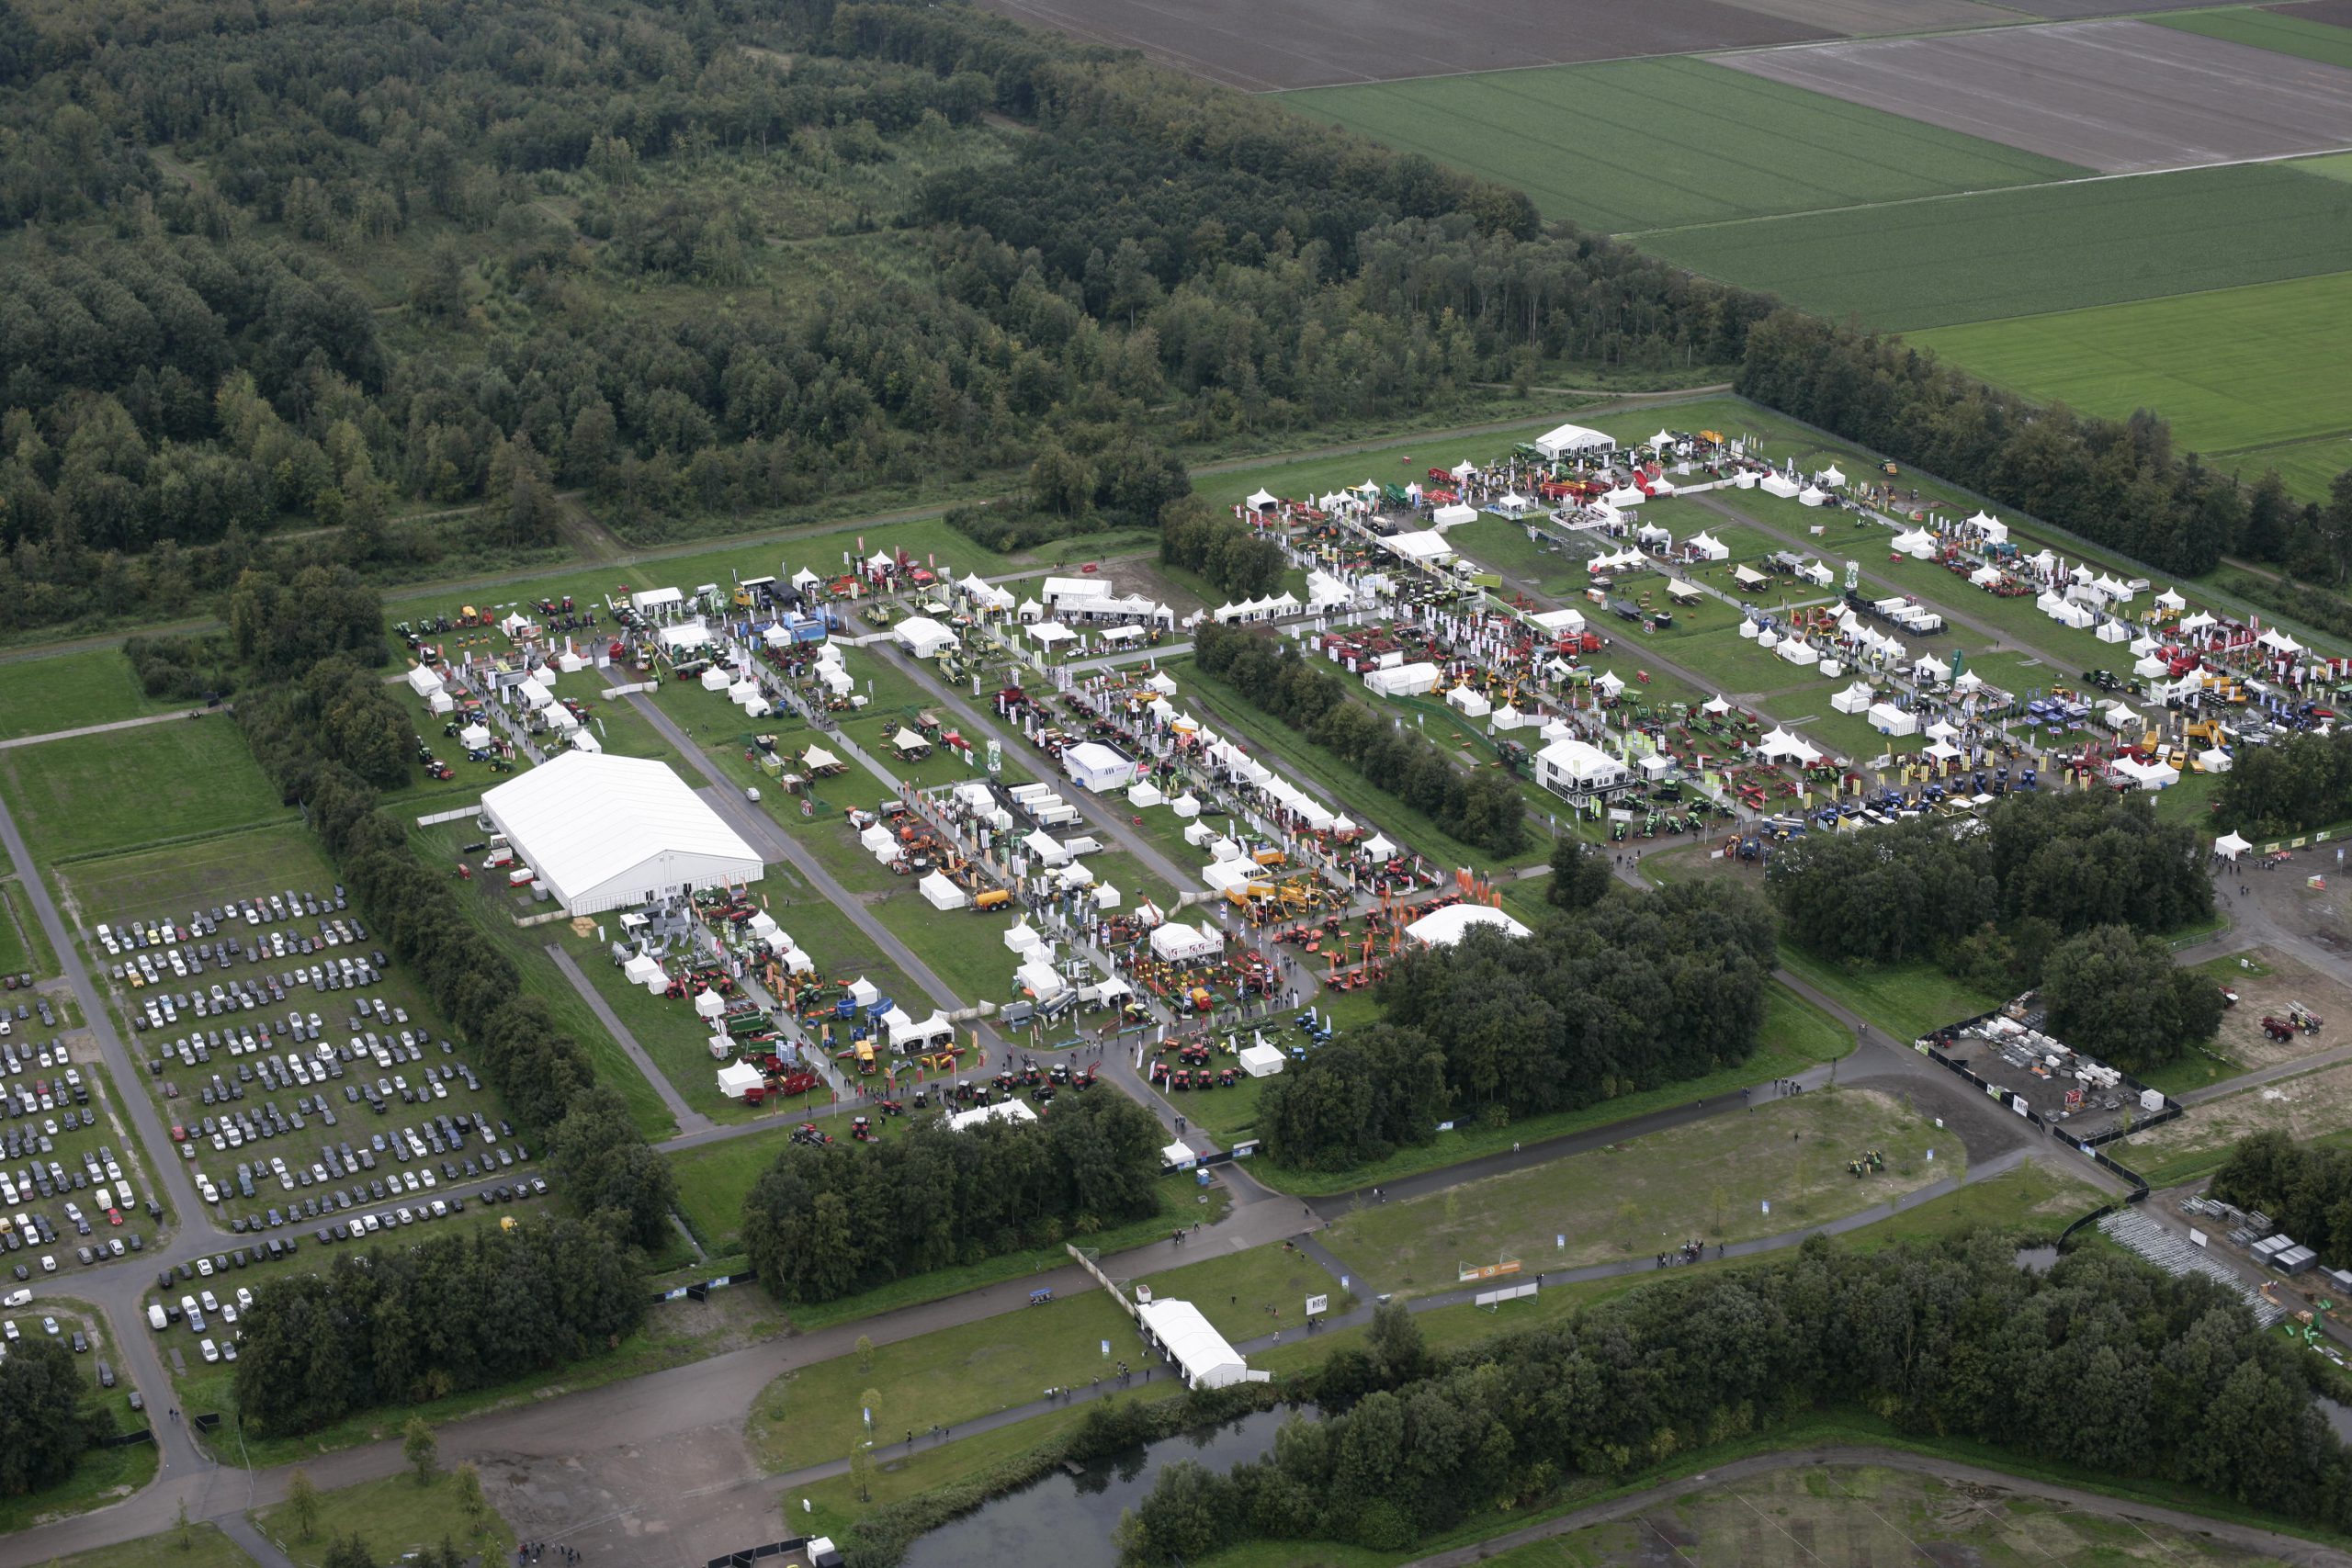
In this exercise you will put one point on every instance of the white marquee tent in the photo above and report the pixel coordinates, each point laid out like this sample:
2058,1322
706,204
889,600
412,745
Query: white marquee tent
604,832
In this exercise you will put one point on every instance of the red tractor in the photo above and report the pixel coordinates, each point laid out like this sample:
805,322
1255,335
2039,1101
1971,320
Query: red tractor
2277,1028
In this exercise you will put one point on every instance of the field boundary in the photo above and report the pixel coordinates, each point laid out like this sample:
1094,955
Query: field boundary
115,851
1632,234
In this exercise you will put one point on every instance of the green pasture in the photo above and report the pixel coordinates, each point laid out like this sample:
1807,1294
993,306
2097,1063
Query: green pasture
1657,143
395,1516
66,691
2232,368
100,793
2307,467
1239,1294
1995,254
2266,28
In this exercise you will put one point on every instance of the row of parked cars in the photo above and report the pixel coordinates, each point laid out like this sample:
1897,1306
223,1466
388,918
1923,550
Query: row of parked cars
10,1334
163,1009
268,910
445,1139
22,1013
20,1057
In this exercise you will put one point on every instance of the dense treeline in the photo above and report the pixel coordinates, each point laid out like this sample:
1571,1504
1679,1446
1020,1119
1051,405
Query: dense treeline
2117,994
2306,1189
2103,1364
46,1423
825,1221
400,1326
2289,785
344,713
1483,808
1239,561
1989,906
1622,997
309,263
2116,483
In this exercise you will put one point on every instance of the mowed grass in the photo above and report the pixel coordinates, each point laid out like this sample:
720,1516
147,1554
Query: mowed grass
1656,143
2230,368
101,793
2266,28
395,1517
66,691
1708,1180
2307,467
207,1548
1241,1292
2042,248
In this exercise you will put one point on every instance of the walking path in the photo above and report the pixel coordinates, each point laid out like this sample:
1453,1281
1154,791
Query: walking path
138,723
689,1119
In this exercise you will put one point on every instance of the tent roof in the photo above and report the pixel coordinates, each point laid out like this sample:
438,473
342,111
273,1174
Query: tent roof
584,817
1445,926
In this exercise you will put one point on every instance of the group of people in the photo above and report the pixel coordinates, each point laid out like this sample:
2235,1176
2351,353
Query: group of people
532,1550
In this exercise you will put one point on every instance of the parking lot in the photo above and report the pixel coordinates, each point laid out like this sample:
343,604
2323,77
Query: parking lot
73,1189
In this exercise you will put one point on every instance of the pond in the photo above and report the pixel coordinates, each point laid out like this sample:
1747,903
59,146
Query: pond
1067,1518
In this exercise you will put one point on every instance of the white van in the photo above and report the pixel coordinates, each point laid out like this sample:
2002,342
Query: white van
156,1318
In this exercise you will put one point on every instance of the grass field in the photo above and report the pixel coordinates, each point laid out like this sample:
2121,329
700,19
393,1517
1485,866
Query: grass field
2230,368
101,793
67,691
1241,1292
1659,143
395,1516
2308,466
2264,28
207,1548
1905,999
1710,1181
815,1414
2046,248
24,946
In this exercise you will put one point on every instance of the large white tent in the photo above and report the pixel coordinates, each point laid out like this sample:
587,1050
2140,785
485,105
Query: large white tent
1569,439
923,637
1443,928
604,831
1202,1357
1175,943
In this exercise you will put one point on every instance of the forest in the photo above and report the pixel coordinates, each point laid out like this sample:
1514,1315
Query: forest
1624,996
398,1326
289,277
1990,906
2306,1189
2288,786
828,1221
46,1417
1482,807
2103,1364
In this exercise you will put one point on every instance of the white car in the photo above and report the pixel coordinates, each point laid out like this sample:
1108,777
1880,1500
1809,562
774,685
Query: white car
204,1266
211,1351
245,1299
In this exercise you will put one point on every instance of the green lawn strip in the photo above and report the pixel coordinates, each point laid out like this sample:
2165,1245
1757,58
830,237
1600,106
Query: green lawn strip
2266,28
713,1181
1228,1114
67,691
2307,467
1907,1000
1642,143
1709,1180
98,794
1504,545
1241,1292
1734,663
1850,735
1181,1201
1795,1037
206,1548
396,1516
2027,251
2229,368
816,1413
24,945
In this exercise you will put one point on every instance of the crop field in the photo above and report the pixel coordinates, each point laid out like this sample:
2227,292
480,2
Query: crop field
1659,143
2267,28
99,793
2044,248
2232,368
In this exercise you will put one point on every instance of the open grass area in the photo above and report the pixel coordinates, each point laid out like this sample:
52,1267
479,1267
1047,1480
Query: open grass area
2307,467
1907,1000
66,691
1709,1180
395,1516
1657,143
816,1413
2266,28
1241,1292
2231,369
2030,251
1796,1035
2314,1107
1297,478
95,794
155,884
206,1548
24,946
